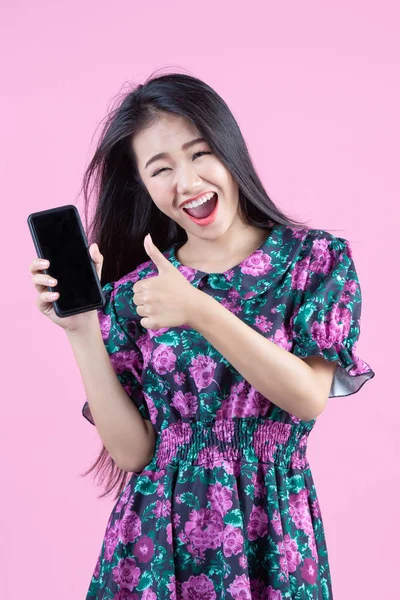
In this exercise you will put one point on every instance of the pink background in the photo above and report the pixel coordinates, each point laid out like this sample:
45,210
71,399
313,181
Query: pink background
316,92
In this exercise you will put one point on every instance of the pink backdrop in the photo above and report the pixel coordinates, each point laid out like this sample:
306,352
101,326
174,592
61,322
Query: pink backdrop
316,92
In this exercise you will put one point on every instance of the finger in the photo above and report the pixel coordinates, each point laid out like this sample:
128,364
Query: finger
97,257
162,263
138,298
143,310
42,281
45,300
38,264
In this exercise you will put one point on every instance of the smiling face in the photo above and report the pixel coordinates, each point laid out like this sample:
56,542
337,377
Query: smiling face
187,169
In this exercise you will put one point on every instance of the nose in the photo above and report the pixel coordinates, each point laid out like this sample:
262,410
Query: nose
187,180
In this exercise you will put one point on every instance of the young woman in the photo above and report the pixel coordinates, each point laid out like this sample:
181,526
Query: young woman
225,331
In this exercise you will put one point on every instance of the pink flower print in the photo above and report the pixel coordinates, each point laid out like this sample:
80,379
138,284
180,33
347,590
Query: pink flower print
240,588
187,272
229,274
202,370
293,556
309,571
300,274
257,589
153,411
232,540
130,527
316,509
298,460
186,404
111,540
127,360
312,545
179,378
210,457
243,561
124,498
299,232
283,337
169,533
157,332
334,330
125,595
259,485
220,498
145,345
172,587
262,324
204,529
144,549
273,594
322,259
277,523
350,286
258,404
160,489
162,508
299,511
256,264
148,595
258,523
224,429
97,568
131,277
105,324
153,475
163,359
126,574
198,586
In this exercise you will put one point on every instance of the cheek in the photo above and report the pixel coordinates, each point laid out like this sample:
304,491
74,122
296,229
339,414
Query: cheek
161,195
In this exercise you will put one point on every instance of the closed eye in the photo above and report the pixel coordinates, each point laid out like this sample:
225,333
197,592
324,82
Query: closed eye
195,155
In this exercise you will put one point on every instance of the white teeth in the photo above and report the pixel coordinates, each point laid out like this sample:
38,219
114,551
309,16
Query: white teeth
200,201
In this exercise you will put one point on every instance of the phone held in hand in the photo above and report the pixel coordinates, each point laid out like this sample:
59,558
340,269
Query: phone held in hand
59,237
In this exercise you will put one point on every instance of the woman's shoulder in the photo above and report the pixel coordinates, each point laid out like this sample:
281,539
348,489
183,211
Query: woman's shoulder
319,241
142,271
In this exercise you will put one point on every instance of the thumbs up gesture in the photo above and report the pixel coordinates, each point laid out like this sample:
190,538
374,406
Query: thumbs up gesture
168,299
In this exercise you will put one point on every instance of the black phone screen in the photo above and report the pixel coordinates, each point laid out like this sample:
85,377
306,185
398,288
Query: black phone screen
59,237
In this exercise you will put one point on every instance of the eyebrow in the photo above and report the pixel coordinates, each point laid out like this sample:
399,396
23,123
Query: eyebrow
165,154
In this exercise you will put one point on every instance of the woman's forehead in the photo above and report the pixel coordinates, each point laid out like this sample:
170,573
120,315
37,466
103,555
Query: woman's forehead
166,134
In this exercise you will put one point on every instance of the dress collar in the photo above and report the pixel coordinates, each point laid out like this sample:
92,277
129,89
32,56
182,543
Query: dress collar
256,273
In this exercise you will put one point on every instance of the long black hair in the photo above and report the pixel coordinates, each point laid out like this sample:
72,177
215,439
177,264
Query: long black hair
124,212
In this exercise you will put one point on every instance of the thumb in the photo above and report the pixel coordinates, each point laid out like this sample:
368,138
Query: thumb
97,258
162,263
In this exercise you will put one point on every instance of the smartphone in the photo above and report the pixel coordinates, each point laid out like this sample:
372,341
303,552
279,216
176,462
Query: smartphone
59,237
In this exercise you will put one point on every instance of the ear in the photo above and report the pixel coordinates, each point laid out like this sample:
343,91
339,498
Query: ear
162,263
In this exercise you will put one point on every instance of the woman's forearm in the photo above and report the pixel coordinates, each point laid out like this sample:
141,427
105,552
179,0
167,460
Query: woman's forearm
283,378
127,436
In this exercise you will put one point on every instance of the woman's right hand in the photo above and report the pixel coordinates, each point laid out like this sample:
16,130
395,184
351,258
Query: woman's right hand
44,301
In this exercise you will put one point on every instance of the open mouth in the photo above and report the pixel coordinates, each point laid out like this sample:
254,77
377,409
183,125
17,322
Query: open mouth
204,210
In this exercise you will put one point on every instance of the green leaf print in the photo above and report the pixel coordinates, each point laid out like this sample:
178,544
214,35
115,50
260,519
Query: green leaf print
148,512
145,581
295,484
190,500
234,517
170,338
145,486
184,360
325,589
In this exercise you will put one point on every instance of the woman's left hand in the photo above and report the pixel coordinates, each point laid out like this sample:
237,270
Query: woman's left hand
167,299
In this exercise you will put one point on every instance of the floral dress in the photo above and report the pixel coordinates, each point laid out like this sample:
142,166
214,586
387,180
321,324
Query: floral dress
227,507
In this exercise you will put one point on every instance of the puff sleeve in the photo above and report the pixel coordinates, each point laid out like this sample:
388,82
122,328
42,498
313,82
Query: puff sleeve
120,332
327,321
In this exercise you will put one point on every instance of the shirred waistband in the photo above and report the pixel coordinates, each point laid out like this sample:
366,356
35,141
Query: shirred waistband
250,439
